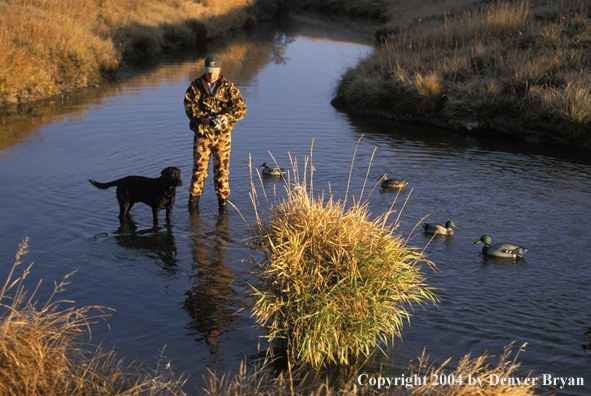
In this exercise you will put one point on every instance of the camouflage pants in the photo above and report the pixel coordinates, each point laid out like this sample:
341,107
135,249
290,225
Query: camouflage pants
203,148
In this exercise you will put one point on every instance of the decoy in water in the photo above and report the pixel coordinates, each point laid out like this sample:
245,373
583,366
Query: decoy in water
506,250
439,229
268,171
392,183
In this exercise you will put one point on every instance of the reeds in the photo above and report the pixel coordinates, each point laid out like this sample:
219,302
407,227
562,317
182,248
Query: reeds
42,351
264,380
334,283
519,67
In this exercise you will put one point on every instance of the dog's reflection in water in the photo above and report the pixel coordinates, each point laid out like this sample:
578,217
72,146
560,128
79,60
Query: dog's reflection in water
156,243
211,302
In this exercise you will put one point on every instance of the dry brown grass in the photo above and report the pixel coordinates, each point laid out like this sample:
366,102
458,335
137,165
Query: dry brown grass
49,46
264,380
476,368
511,66
42,350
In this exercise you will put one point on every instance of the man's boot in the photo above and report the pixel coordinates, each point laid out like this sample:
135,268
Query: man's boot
223,205
194,202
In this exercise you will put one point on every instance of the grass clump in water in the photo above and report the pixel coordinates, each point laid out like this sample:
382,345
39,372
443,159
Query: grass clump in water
334,283
42,351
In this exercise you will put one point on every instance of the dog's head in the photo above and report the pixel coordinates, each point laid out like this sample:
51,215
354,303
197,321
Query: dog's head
171,176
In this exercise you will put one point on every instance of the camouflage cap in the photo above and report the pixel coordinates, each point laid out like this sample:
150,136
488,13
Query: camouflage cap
212,64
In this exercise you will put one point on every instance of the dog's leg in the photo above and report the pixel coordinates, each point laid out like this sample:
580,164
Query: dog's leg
155,213
168,214
124,204
169,209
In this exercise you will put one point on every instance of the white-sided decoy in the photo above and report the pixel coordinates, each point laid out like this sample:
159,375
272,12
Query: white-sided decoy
275,171
505,250
438,229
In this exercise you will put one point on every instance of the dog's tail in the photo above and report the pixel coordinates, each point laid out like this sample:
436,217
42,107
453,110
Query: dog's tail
103,186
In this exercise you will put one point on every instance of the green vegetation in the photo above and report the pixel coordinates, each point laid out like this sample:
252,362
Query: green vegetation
42,350
47,47
516,67
334,284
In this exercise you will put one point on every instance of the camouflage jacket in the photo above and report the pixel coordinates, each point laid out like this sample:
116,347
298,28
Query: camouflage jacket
200,104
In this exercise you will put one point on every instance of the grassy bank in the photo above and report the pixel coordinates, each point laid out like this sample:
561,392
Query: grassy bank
334,284
522,68
43,352
47,47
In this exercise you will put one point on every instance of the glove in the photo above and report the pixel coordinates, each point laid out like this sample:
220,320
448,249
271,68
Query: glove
224,119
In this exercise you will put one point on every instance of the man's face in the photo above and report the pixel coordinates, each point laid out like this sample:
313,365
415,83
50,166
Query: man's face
213,77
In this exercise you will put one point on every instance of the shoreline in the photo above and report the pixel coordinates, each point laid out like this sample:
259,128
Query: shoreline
466,127
515,69
53,49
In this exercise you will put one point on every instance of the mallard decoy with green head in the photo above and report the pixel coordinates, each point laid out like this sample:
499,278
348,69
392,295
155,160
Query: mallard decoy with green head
392,183
275,171
438,229
505,250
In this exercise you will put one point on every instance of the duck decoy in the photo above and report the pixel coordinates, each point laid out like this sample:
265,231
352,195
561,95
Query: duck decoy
275,171
439,229
392,183
505,250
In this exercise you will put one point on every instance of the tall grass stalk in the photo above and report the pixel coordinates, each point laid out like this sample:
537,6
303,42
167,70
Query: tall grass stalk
42,348
334,283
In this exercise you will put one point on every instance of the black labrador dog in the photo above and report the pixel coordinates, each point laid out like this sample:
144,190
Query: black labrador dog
157,193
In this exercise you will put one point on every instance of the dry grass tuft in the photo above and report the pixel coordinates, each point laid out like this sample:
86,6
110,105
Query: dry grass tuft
334,283
476,368
42,352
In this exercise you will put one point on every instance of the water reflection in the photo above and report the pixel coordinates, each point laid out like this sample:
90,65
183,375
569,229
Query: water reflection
211,302
502,262
245,55
156,243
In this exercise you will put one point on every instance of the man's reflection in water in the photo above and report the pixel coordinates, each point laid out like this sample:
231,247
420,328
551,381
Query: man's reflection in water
211,302
157,243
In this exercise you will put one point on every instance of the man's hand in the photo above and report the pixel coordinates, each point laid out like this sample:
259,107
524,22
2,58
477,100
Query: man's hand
224,119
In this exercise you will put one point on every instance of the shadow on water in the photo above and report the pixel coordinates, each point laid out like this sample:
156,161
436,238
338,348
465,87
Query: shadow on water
211,302
455,142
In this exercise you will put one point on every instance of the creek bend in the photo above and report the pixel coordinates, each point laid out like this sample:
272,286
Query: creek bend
180,286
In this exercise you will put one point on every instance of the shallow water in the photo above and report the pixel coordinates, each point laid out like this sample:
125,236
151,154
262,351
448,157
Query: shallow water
179,287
